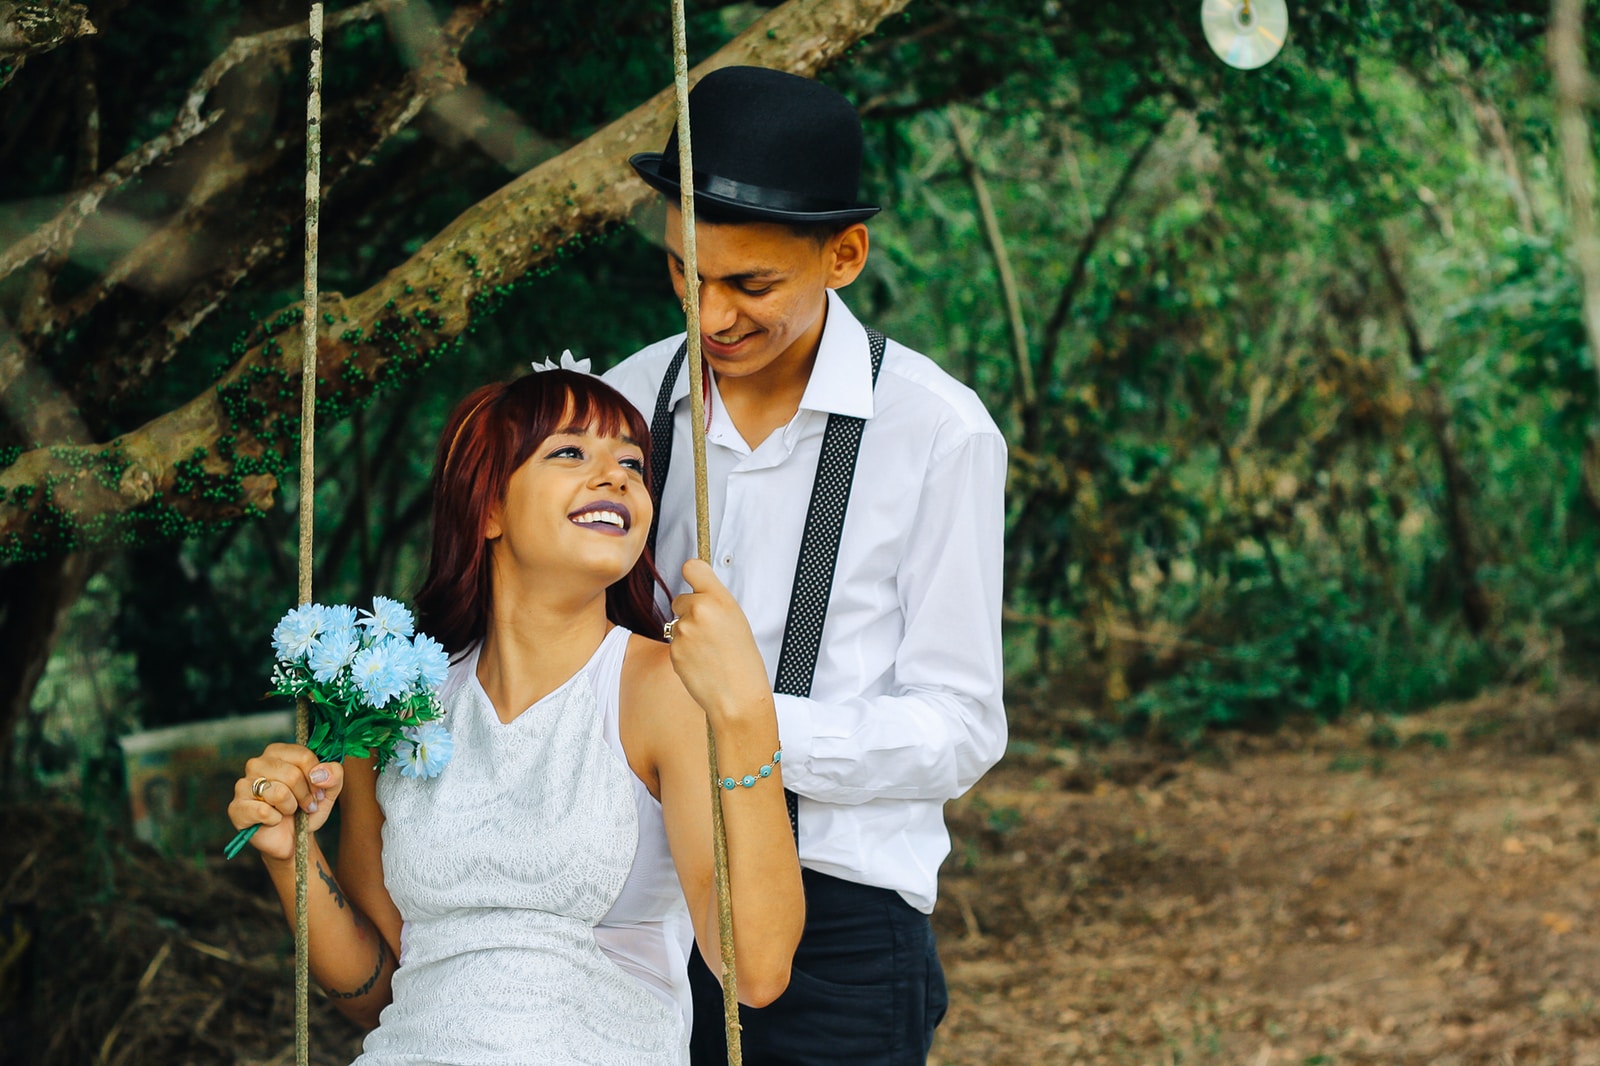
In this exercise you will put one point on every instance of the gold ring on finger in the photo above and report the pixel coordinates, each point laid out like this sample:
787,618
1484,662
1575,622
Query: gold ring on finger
666,630
258,788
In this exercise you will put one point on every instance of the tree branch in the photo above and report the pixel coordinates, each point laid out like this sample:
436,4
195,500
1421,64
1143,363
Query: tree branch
33,409
175,242
27,29
437,71
37,305
1489,119
30,28
124,369
218,456
1050,343
57,234
1027,398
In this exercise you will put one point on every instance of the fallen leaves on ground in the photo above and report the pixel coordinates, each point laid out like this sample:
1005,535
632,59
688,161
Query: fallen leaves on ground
1417,891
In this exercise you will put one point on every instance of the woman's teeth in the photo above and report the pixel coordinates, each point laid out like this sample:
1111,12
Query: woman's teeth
608,517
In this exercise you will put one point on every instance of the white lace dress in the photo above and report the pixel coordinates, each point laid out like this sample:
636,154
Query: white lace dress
502,868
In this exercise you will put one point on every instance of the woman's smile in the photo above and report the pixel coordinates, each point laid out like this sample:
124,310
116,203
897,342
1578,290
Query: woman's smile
604,516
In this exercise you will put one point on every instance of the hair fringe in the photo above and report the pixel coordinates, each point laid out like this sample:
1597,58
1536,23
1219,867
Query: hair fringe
486,439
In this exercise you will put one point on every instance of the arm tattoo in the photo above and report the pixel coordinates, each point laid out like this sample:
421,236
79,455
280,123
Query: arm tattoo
333,886
377,971
361,933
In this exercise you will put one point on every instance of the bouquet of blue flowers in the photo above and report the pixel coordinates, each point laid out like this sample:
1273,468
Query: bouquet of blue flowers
372,684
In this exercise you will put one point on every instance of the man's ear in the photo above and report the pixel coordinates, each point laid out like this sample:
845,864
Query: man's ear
846,253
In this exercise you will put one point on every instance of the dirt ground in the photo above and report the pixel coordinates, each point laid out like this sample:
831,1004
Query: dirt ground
1416,891
1406,892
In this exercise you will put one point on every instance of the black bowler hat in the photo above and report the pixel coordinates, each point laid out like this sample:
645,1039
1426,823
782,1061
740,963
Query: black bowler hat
768,147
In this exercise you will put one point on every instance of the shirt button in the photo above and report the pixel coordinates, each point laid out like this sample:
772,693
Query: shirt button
727,560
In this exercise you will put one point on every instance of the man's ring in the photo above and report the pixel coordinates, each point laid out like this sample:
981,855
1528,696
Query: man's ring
666,630
258,788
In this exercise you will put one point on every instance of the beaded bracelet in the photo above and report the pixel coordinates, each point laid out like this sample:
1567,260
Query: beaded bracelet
749,780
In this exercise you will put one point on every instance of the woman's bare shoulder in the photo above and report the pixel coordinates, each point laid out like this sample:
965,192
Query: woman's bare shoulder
648,676
646,653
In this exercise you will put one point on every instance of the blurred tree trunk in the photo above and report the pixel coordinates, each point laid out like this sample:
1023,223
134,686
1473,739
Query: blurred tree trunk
1573,88
1493,126
1465,550
368,523
33,602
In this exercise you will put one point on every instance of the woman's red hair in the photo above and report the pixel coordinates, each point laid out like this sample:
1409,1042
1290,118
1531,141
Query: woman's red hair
487,438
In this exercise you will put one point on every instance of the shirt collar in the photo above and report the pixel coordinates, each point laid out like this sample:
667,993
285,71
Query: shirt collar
841,378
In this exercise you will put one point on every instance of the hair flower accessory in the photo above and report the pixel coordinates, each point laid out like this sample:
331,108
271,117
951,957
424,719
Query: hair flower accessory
372,682
581,366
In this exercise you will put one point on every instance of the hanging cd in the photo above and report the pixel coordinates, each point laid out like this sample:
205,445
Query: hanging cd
1245,33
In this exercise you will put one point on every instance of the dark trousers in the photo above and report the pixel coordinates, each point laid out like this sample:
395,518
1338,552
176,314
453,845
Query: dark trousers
866,989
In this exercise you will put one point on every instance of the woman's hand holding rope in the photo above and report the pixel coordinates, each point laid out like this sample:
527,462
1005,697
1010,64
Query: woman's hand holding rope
715,654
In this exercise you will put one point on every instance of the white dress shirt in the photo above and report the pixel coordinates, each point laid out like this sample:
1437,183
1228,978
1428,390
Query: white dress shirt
905,708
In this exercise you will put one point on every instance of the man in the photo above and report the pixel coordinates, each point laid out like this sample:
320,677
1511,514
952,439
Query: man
904,704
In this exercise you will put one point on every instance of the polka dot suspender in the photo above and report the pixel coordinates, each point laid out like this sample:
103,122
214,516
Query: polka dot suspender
819,545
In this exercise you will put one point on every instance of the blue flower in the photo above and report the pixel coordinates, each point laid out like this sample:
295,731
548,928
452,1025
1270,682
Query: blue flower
431,748
339,616
387,618
432,664
405,662
294,634
331,652
383,671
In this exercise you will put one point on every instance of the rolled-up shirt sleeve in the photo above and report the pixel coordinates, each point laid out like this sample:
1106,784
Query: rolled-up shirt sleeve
942,724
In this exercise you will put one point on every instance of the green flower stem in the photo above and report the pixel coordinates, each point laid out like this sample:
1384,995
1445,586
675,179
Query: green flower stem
240,839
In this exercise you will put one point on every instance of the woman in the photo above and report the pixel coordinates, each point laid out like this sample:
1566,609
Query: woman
522,906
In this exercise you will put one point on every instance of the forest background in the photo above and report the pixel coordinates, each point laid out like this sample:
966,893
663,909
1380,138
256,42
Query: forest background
1292,361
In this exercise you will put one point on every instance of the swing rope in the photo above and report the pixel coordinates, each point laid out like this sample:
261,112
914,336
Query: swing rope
702,512
308,471
308,395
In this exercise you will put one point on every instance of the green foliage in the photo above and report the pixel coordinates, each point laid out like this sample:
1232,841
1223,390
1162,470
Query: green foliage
1301,661
1227,503
1233,448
